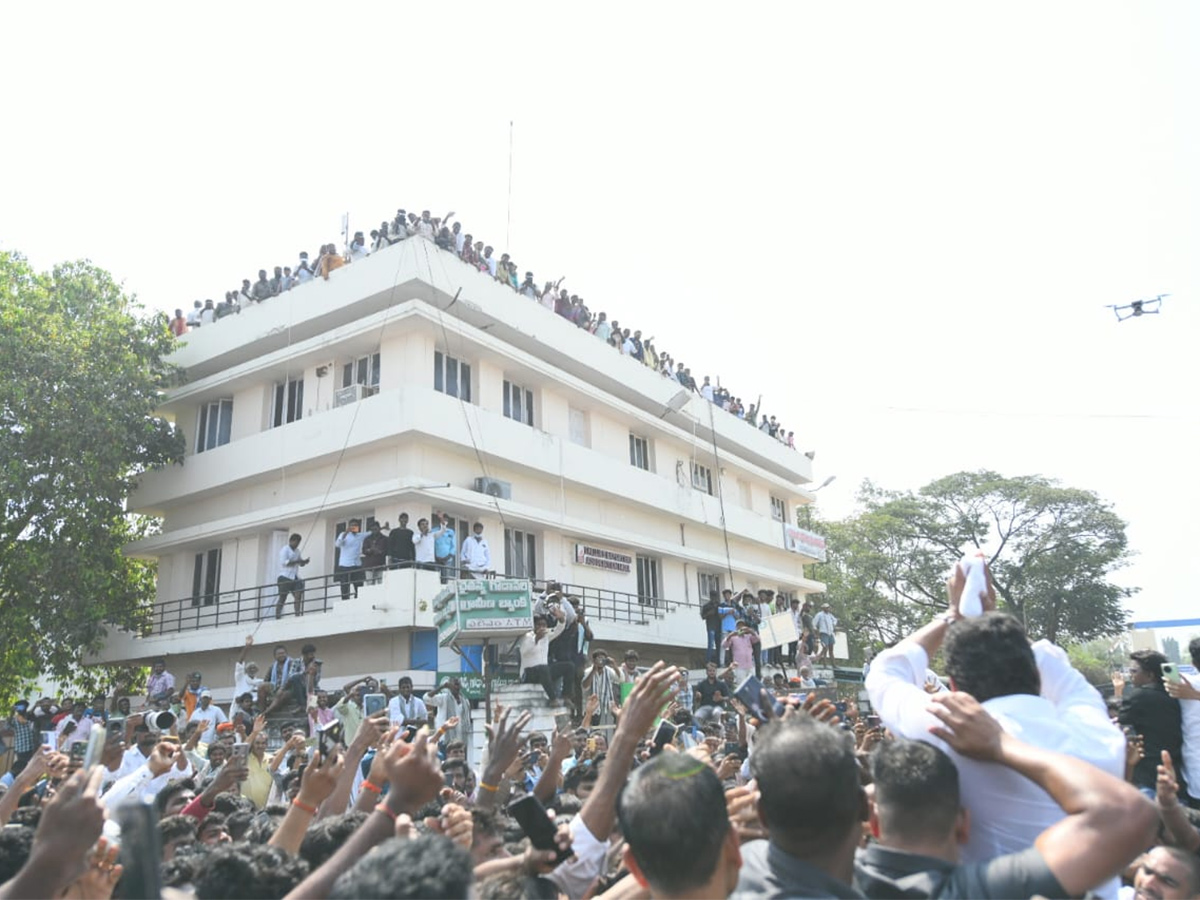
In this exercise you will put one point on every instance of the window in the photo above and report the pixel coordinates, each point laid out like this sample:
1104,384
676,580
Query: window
364,370
213,428
709,584
288,403
639,452
702,478
518,403
778,509
577,423
451,376
647,580
520,555
206,578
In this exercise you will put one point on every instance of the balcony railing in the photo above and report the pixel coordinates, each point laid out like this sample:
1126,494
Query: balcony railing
323,593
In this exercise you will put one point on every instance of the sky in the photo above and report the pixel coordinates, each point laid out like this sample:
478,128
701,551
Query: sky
898,223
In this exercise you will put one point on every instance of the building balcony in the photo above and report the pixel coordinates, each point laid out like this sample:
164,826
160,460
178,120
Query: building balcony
400,599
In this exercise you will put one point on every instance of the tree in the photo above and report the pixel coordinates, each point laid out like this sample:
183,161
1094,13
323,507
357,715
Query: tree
81,374
1051,550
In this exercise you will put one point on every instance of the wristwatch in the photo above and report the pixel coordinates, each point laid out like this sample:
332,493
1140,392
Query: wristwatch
949,618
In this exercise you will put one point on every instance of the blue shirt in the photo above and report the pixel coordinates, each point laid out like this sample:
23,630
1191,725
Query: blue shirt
444,543
728,618
349,548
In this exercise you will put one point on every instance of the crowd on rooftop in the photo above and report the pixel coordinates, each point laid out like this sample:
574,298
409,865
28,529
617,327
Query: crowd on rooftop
1015,782
450,237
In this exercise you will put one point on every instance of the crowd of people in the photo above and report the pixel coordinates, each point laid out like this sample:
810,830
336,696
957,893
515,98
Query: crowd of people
1014,783
449,237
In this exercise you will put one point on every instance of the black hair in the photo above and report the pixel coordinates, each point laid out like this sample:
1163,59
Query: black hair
172,828
184,866
248,870
1150,662
672,813
308,648
167,794
916,789
325,836
989,656
228,802
15,844
29,816
256,828
808,776
516,886
426,866
212,820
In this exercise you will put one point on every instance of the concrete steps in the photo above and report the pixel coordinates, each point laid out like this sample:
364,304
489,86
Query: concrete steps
520,698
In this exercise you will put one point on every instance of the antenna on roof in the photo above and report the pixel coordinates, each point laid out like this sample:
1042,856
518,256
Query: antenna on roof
346,230
508,229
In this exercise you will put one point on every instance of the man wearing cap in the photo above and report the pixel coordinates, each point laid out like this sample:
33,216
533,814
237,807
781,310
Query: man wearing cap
825,622
209,716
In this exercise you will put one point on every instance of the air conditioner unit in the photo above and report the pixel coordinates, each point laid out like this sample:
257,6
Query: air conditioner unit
494,487
347,395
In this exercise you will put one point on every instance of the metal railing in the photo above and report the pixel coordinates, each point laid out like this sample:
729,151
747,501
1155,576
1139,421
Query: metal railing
323,593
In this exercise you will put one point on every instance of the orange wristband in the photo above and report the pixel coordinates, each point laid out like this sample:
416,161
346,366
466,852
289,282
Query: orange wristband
383,808
311,810
372,787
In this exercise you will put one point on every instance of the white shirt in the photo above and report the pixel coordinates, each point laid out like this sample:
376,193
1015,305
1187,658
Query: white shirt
357,251
824,622
423,545
627,347
491,264
475,554
193,318
1008,811
211,717
207,315
1190,710
349,548
425,230
535,652
410,710
447,708
706,391
289,562
82,728
303,275
243,683
458,242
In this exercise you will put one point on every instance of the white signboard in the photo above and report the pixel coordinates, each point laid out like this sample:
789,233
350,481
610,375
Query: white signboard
599,558
804,542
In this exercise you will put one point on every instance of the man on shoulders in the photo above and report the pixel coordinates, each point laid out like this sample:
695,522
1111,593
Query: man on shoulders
919,825
1031,690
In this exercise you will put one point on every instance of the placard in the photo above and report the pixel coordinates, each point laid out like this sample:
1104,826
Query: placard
777,630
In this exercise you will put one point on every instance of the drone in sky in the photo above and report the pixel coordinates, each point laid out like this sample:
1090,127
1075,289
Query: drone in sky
1150,307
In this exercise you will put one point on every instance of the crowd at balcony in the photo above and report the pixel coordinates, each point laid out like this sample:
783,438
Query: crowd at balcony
450,237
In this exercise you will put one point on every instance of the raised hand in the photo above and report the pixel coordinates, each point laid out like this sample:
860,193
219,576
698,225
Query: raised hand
320,778
504,738
413,773
1167,785
456,823
741,805
649,695
370,731
1181,690
72,822
100,877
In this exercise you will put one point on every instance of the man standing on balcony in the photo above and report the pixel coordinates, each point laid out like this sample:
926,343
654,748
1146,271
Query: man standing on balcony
348,568
445,545
374,553
476,556
289,579
423,546
401,552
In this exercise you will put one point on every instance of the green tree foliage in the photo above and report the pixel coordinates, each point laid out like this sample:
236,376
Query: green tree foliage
81,373
1052,550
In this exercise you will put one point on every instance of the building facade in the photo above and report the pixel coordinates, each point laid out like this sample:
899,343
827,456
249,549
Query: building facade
410,382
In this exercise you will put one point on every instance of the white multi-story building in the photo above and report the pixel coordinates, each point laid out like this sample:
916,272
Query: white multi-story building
410,382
